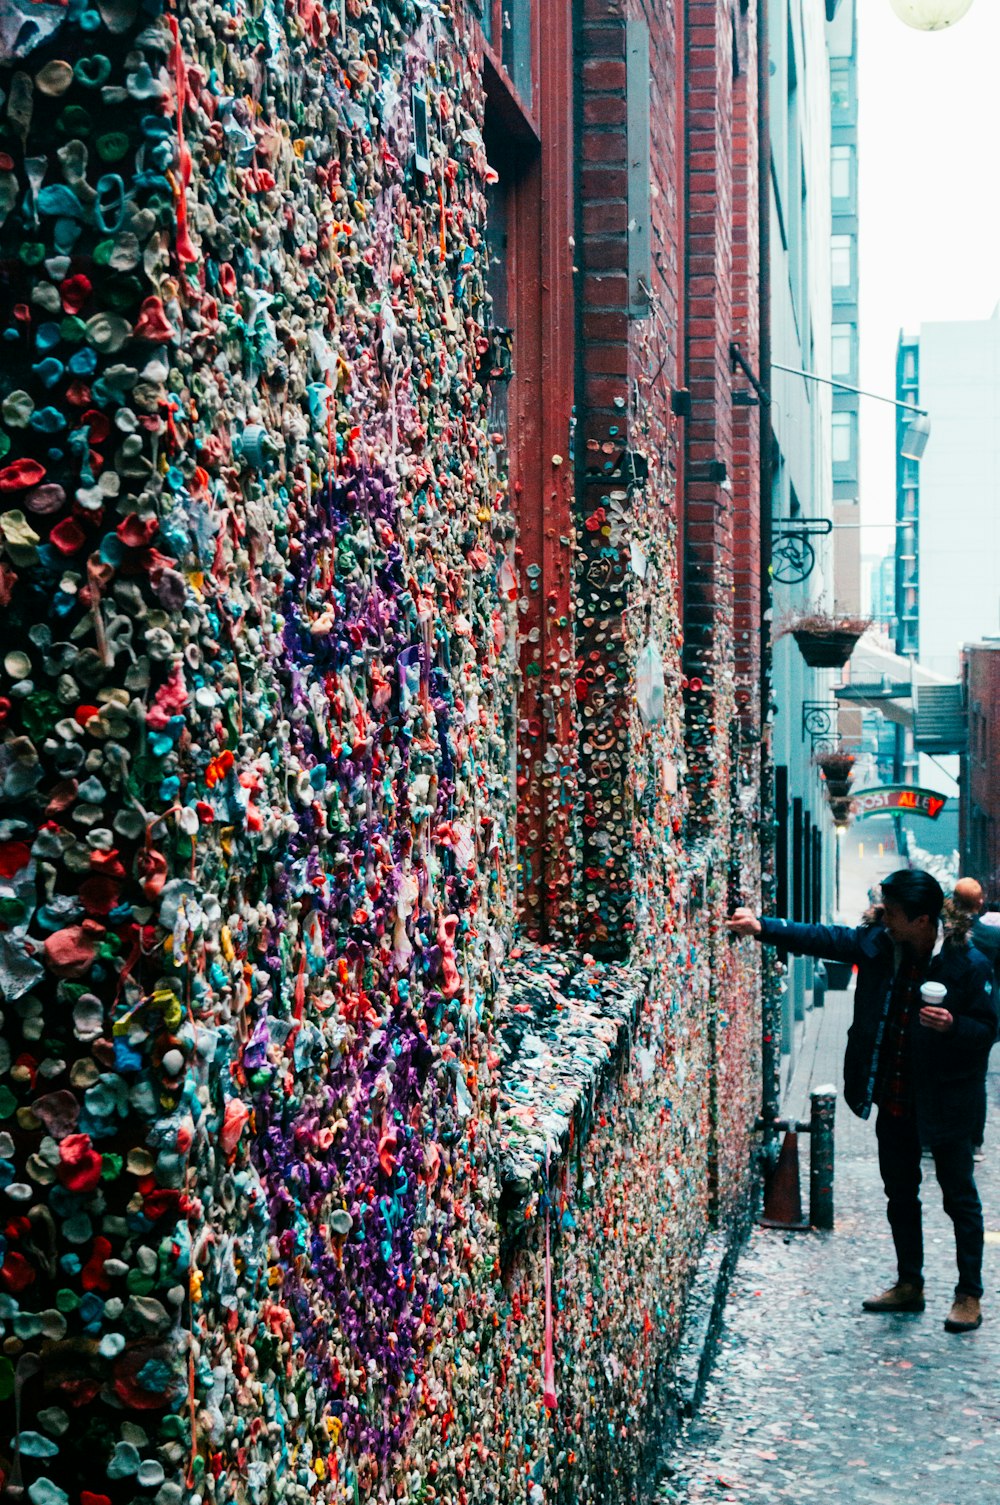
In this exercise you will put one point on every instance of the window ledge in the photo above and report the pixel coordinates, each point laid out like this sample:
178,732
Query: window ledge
563,1024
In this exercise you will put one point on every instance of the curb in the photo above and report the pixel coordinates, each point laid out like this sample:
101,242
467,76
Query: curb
703,1319
696,1349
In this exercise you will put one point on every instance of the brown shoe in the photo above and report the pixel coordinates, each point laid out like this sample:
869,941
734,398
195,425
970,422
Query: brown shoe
965,1316
904,1296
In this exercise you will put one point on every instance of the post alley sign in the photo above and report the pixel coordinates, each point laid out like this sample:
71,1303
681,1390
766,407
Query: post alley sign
890,799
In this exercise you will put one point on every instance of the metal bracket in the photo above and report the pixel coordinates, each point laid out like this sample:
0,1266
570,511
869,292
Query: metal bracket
819,720
801,527
793,557
739,362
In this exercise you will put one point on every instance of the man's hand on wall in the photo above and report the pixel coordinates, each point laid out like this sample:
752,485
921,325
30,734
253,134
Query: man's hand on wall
743,922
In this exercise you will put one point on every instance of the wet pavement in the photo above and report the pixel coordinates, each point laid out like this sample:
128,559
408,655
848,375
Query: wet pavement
812,1398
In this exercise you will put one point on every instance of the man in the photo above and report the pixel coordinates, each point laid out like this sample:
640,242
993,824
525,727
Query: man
923,1065
970,900
985,933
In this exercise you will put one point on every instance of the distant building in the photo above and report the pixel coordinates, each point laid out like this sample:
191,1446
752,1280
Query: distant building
980,783
908,479
878,736
881,592
948,549
947,579
842,41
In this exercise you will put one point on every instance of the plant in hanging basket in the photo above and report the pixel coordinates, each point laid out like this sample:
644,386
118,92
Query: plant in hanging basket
825,641
841,811
835,765
838,789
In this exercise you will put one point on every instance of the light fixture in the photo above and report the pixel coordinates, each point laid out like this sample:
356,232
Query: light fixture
915,439
917,432
930,15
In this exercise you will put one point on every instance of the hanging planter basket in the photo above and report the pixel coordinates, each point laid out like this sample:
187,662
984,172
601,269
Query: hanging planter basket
837,789
827,651
841,811
836,766
825,642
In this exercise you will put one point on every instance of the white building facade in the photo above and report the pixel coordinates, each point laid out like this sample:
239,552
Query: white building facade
802,469
958,594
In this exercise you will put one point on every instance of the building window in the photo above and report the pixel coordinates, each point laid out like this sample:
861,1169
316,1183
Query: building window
530,368
843,349
516,22
842,260
514,249
843,438
506,26
842,172
842,94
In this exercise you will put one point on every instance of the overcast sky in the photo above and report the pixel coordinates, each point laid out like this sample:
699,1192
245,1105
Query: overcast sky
929,211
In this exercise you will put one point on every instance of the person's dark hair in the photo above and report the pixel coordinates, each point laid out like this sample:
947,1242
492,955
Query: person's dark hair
915,891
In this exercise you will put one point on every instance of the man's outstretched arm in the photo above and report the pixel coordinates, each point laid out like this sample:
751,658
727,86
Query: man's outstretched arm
836,943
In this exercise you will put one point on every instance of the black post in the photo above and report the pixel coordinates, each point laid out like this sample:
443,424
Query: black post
796,859
781,841
821,1123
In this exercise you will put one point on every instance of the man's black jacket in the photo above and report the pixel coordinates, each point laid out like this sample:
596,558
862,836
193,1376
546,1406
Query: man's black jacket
949,1070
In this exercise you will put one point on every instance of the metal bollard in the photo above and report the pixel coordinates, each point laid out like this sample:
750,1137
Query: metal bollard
821,1122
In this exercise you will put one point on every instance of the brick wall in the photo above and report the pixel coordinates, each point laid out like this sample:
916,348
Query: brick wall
722,523
709,434
980,787
746,478
628,367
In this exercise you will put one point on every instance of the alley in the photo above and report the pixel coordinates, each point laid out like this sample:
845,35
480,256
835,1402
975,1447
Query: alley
812,1398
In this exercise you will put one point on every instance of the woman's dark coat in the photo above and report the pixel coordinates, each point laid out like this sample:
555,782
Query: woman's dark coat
949,1069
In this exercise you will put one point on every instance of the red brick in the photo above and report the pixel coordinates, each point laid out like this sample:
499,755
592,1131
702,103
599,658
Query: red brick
604,109
603,73
605,218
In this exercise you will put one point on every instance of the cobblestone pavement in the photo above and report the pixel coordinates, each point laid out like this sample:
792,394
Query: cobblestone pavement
812,1398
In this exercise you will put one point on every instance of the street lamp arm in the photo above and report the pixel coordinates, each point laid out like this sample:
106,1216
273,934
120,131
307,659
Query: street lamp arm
844,386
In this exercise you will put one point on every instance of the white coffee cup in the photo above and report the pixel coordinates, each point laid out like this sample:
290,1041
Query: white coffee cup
933,994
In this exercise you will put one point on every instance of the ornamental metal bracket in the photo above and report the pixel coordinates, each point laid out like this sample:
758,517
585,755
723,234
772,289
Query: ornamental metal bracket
793,557
819,721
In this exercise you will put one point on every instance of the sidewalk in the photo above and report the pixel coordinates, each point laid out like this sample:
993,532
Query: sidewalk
809,1395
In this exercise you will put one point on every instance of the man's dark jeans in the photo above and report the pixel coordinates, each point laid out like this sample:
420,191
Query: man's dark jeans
899,1162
